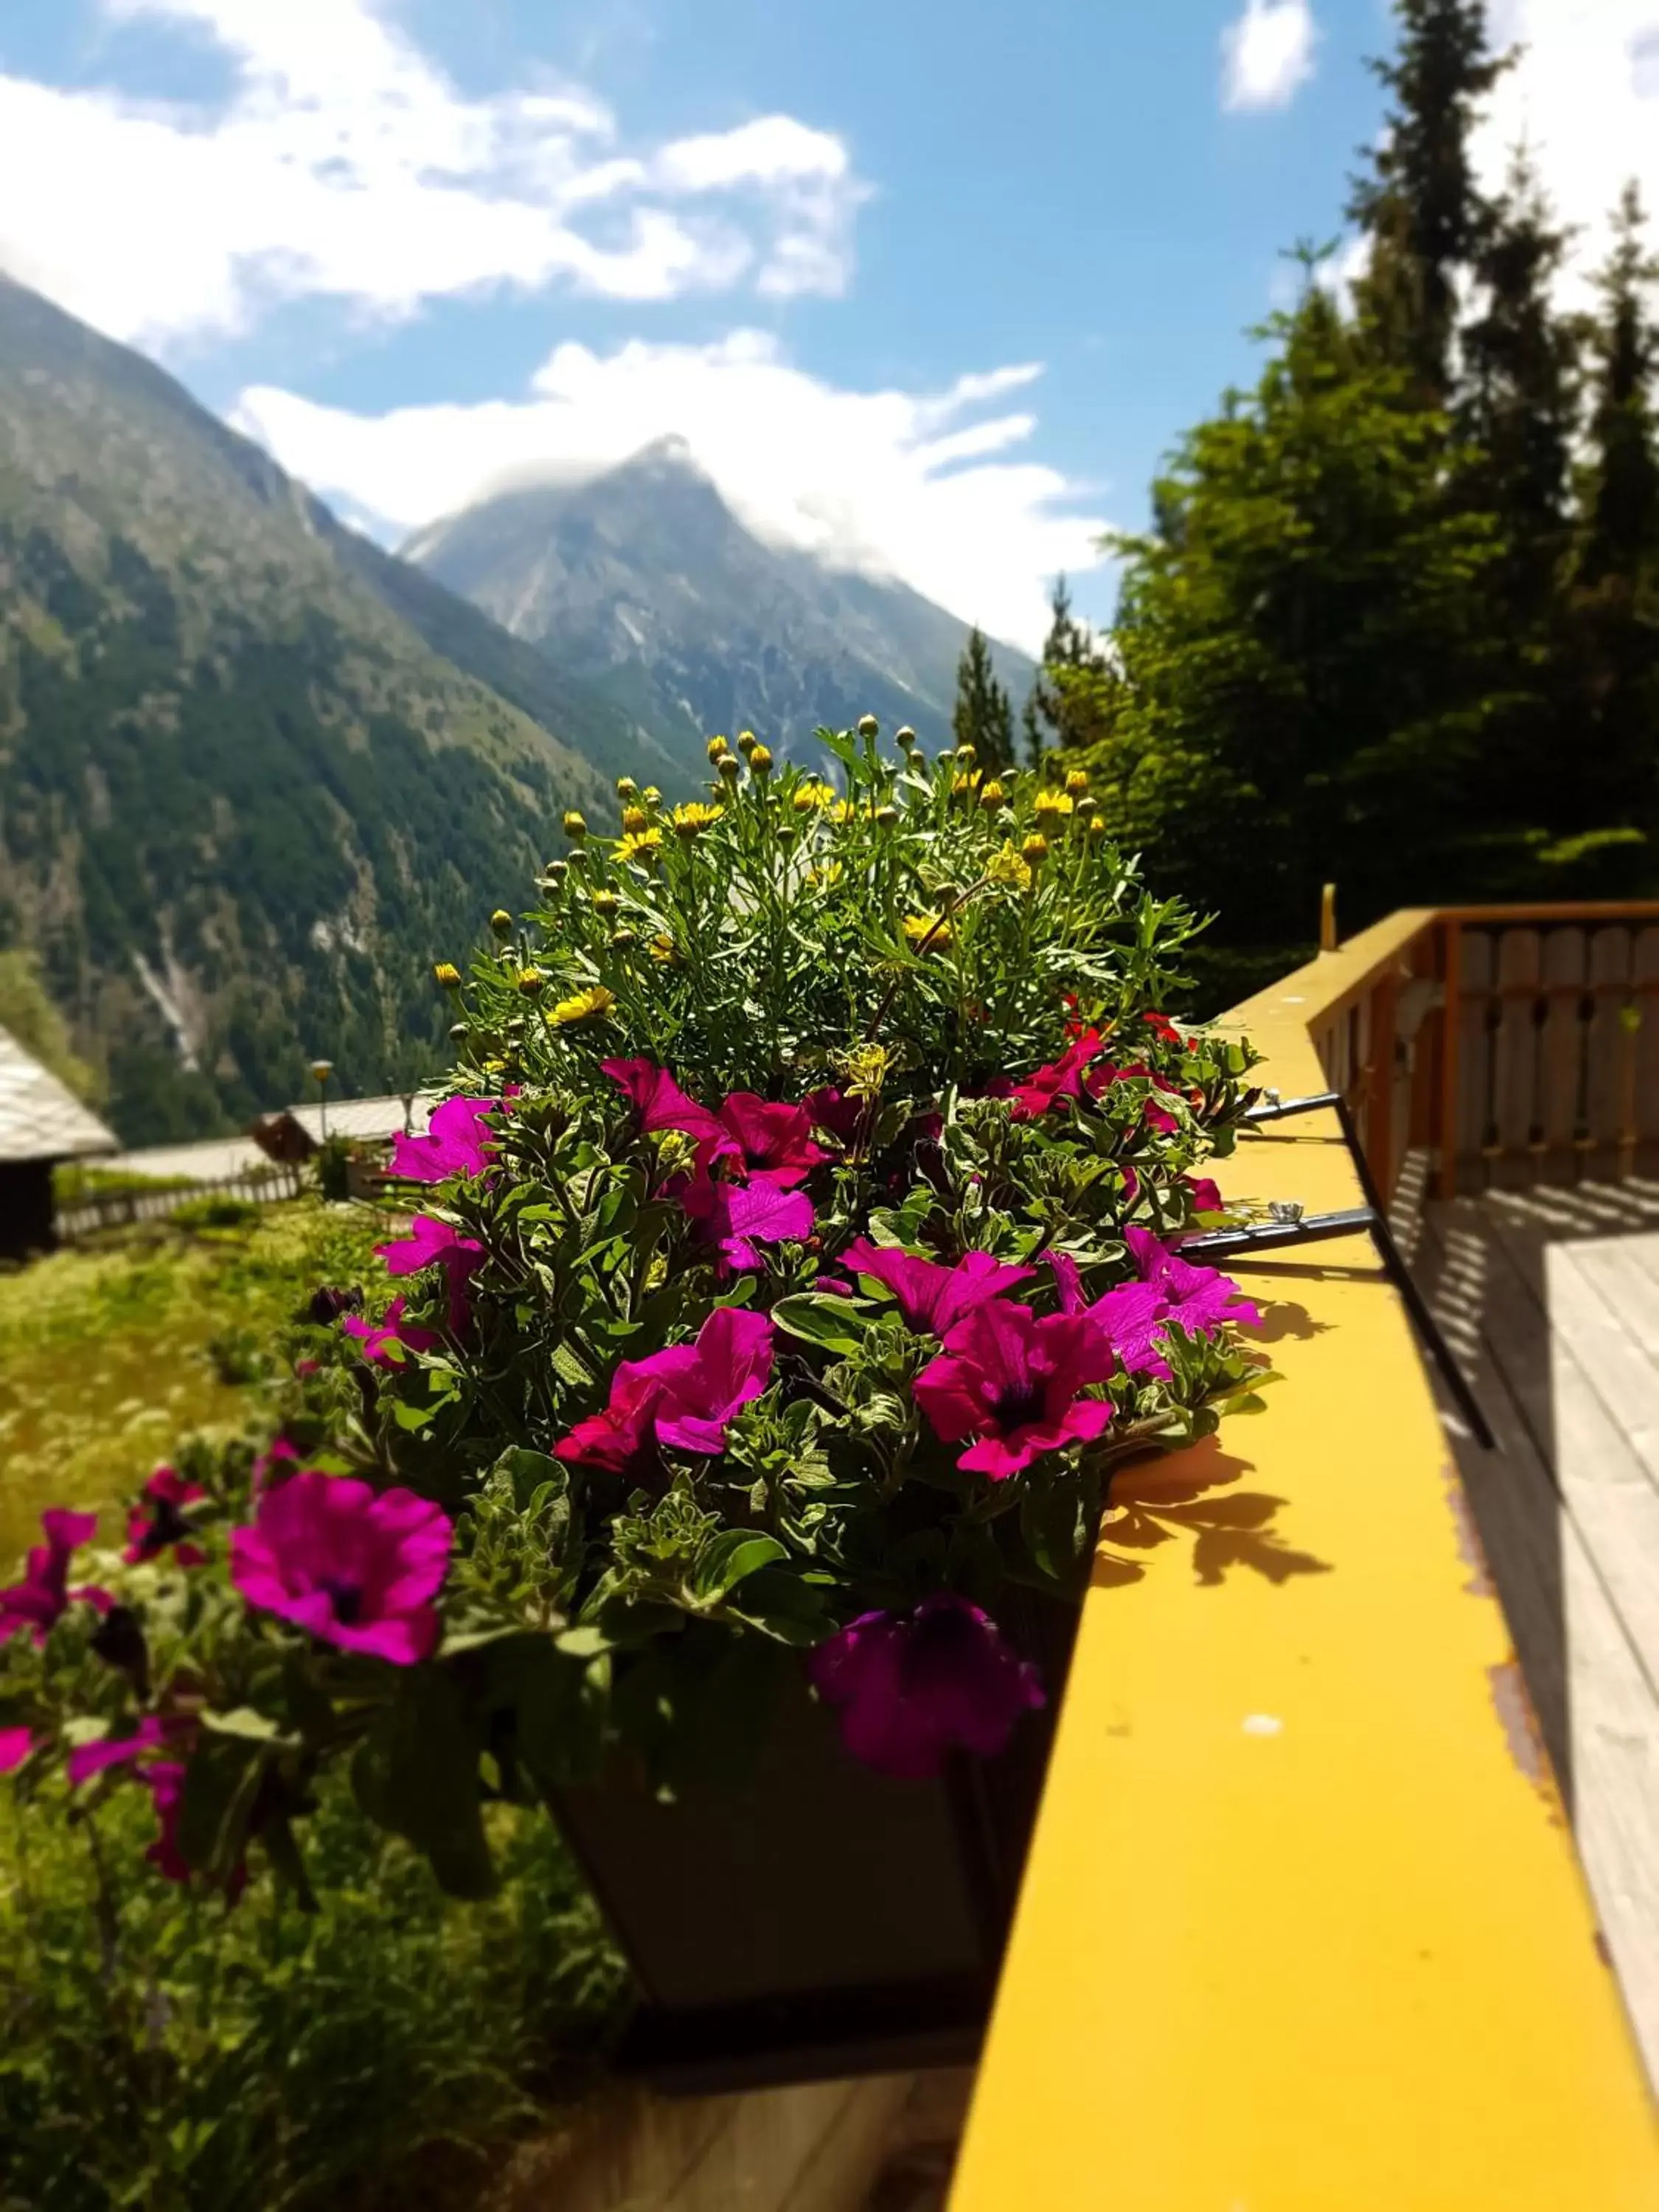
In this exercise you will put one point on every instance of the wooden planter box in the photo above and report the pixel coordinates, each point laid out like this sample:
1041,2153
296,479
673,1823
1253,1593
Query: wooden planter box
826,1921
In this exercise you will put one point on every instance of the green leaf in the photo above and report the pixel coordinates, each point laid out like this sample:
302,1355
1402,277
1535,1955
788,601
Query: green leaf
220,1785
835,1324
730,1559
416,1774
250,1726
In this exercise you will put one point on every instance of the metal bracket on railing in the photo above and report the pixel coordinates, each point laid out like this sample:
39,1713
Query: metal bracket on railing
1291,1225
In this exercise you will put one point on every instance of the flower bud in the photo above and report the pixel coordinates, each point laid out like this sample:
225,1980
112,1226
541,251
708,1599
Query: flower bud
718,749
556,873
446,975
531,981
746,742
967,754
575,827
1076,783
991,797
622,938
760,761
868,726
729,767
579,858
1098,828
1035,850
905,737
634,818
650,796
502,922
458,1033
605,901
887,816
626,787
788,833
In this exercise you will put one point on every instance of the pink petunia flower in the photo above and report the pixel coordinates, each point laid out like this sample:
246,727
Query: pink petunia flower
623,1439
1059,1079
1012,1380
739,1216
16,1744
685,1396
279,1458
456,1143
379,1337
43,1596
661,1105
1199,1299
932,1297
911,1686
837,1116
435,1243
158,1521
354,1566
1205,1194
154,1733
774,1141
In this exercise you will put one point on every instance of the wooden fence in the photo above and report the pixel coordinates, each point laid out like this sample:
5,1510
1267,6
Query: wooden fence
121,1209
1515,1044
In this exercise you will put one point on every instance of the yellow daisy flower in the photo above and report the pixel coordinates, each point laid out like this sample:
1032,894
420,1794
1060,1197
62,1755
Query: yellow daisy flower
928,929
642,845
593,1004
1007,867
1051,802
694,817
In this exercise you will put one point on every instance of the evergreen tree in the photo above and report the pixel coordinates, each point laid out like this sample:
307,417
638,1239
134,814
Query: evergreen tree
1302,656
982,717
1615,600
1060,711
1419,203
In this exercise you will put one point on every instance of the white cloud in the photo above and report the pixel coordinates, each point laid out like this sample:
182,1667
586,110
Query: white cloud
1267,56
345,165
1585,97
890,482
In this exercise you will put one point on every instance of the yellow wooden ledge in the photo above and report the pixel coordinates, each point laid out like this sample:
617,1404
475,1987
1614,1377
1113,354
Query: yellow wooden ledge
1302,1929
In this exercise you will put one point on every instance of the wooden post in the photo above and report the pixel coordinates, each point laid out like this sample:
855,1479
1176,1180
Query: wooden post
1327,919
1379,1084
1445,1183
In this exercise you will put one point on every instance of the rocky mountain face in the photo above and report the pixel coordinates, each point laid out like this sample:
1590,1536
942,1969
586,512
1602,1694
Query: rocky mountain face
255,773
642,585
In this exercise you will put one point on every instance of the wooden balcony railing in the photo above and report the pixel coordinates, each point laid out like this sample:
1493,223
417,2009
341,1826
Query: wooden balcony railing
1303,1928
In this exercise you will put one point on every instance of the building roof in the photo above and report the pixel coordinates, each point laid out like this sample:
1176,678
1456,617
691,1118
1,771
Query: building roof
214,1159
39,1118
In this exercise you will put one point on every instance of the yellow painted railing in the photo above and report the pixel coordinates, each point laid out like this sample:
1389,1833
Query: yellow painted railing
1302,1929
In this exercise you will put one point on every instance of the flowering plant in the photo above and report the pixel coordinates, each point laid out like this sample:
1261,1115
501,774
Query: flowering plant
796,1258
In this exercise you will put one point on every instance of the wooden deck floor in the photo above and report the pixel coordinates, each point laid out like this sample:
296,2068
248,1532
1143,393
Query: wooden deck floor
1550,1299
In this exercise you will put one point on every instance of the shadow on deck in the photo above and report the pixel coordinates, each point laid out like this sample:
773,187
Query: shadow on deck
1550,1298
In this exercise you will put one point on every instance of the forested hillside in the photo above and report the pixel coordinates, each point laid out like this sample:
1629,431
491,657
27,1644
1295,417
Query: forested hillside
244,803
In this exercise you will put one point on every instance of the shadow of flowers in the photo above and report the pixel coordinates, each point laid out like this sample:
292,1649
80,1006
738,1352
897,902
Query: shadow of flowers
1160,1500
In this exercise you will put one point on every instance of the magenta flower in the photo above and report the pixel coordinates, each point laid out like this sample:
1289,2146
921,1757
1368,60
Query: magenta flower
1199,1299
1061,1078
378,1338
705,1384
623,1439
43,1596
738,1216
685,1396
661,1105
280,1457
910,1687
434,1244
158,1521
152,1733
774,1141
933,1298
355,1567
1204,1194
1012,1380
456,1143
16,1744
1128,1318
838,1116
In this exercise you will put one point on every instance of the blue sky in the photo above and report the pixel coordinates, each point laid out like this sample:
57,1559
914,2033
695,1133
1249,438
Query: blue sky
929,287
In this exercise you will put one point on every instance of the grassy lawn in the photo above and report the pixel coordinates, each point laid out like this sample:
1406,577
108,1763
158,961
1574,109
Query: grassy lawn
109,1352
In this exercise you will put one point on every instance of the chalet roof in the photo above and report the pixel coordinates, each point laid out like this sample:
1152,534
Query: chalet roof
39,1119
